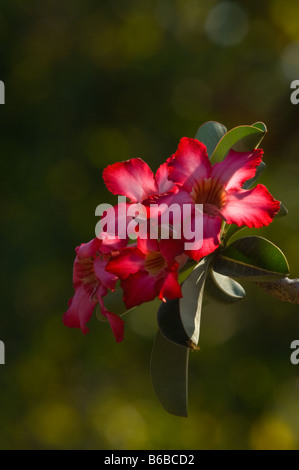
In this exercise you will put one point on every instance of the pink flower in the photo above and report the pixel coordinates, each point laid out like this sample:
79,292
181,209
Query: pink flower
148,270
135,180
219,189
91,283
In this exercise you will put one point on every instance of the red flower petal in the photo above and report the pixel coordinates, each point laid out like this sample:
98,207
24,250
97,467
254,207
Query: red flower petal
132,178
162,212
107,279
96,245
80,309
139,288
129,261
164,184
237,168
170,288
88,250
211,238
147,245
190,163
117,325
170,249
114,219
254,208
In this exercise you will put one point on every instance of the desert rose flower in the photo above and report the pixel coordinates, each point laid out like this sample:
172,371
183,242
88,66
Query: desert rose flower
135,180
91,283
219,189
148,270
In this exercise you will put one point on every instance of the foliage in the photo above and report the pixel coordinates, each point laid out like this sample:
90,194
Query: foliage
251,258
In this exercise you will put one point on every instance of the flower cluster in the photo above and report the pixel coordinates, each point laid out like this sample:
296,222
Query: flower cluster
148,268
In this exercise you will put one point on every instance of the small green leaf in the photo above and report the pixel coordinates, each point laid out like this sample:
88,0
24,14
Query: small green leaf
283,211
261,126
260,169
231,230
210,134
222,289
251,140
253,258
170,323
169,374
241,139
191,302
186,270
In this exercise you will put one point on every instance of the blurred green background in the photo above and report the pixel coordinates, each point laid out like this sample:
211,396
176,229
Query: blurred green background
89,83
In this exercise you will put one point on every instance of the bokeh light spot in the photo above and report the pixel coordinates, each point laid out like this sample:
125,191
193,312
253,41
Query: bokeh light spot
290,61
271,433
285,15
54,425
227,24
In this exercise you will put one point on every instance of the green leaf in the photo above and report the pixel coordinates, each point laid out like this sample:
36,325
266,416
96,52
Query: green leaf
251,140
253,258
169,374
241,139
170,323
186,270
260,169
261,126
222,289
191,302
283,211
210,134
231,230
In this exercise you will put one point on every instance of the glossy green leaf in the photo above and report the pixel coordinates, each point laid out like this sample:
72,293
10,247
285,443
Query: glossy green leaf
222,288
210,134
169,374
191,303
260,169
283,211
253,258
186,270
231,230
241,139
261,126
251,140
170,323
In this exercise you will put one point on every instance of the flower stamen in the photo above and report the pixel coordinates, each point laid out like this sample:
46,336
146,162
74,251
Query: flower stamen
154,263
211,194
86,271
